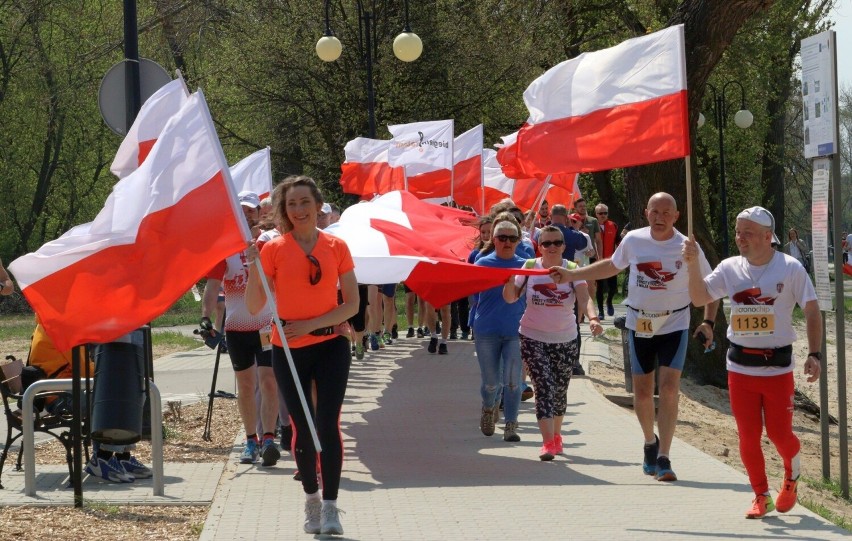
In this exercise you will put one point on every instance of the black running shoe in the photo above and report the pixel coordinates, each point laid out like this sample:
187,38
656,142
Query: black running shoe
410,333
649,465
394,332
442,349
419,332
433,345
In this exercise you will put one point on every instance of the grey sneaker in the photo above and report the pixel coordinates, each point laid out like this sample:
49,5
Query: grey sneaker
486,422
330,520
313,508
509,433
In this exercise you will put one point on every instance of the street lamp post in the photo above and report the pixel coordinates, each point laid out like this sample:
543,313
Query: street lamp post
743,119
407,47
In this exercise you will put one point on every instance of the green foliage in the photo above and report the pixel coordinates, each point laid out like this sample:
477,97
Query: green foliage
186,311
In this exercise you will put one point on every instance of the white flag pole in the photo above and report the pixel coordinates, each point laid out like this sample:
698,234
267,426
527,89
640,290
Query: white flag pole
271,300
482,183
688,196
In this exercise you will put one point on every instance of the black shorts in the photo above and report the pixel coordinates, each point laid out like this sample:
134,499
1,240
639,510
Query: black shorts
245,350
388,290
668,349
359,320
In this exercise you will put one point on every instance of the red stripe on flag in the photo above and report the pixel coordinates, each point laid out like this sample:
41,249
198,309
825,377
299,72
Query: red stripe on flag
432,184
370,178
120,288
443,282
623,136
145,148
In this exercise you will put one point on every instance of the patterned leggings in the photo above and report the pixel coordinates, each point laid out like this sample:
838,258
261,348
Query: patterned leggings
550,367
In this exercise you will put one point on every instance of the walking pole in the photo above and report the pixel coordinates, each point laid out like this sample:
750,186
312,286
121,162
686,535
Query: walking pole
206,435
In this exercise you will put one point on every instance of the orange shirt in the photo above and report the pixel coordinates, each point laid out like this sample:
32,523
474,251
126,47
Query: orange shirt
289,271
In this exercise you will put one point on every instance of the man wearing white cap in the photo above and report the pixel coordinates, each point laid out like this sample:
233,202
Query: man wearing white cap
763,285
324,216
249,347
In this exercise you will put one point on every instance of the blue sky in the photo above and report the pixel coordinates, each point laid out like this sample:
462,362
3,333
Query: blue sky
842,17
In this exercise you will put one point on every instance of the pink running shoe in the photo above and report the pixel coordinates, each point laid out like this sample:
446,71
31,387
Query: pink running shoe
557,444
546,452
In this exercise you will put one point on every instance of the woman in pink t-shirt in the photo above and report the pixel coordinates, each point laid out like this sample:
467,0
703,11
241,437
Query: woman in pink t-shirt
549,335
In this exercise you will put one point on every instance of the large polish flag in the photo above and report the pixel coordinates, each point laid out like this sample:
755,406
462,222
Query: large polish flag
467,168
399,238
366,171
150,121
619,107
162,227
425,151
254,173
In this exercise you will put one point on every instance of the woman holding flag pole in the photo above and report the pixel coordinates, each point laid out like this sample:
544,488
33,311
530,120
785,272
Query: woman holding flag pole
305,265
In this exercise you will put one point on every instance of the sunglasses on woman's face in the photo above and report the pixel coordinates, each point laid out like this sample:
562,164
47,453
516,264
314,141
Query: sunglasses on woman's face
549,243
507,238
316,270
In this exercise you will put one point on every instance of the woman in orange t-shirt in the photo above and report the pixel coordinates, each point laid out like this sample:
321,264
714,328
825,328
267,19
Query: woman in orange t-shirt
304,266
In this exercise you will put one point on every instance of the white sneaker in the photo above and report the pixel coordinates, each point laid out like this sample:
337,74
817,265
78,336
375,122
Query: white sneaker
312,516
330,520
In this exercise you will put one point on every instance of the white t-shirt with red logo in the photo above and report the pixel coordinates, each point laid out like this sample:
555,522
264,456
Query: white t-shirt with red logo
233,272
658,281
780,284
549,315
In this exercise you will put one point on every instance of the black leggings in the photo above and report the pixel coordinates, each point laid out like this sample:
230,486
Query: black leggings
611,286
326,363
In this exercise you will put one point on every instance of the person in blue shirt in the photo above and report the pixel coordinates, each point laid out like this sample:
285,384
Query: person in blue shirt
574,240
496,328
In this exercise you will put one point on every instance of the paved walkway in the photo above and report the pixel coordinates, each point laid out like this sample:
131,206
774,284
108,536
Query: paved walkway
417,467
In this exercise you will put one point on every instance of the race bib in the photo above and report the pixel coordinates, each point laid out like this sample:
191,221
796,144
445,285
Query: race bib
648,323
266,337
753,320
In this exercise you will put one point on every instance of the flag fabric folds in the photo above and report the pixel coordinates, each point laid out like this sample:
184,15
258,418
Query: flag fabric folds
425,151
397,238
366,171
617,107
162,227
467,168
150,121
527,193
254,173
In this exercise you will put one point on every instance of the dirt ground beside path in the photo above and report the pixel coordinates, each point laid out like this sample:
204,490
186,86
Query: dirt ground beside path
705,422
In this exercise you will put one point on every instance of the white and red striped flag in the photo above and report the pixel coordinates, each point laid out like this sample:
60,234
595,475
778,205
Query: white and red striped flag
467,168
397,238
525,192
150,121
254,173
618,107
425,150
161,229
366,171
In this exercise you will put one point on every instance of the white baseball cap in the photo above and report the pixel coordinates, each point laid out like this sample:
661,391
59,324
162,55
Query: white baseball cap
249,199
760,216
326,208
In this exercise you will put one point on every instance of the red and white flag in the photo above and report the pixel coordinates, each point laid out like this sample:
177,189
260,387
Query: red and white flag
467,168
366,170
618,107
161,229
526,193
150,121
425,151
254,173
397,238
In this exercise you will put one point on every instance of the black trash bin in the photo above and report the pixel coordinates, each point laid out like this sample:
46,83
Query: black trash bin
119,394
